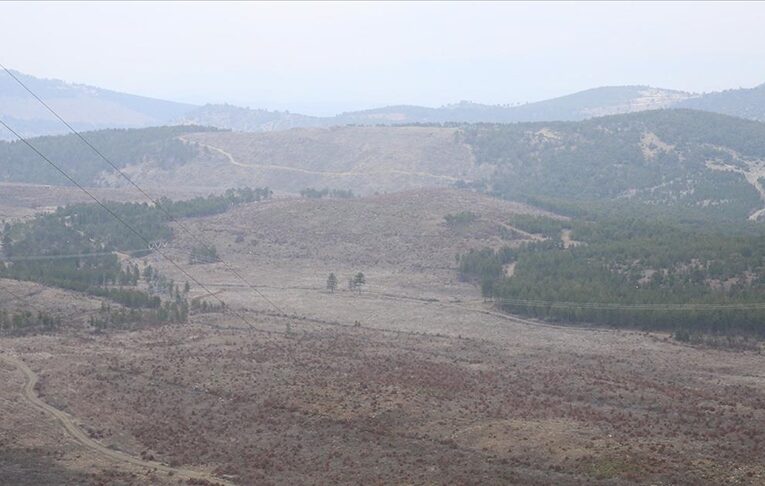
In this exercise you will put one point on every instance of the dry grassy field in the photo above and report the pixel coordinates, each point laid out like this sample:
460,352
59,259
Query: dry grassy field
413,380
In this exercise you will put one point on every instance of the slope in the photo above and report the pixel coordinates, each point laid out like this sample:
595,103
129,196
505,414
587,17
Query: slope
362,159
578,106
699,163
688,160
20,164
85,107
744,102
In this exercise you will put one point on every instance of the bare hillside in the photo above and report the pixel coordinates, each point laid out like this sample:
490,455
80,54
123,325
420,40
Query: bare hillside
402,229
363,159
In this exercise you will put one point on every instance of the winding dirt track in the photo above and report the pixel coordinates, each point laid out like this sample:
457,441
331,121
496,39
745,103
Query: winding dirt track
80,437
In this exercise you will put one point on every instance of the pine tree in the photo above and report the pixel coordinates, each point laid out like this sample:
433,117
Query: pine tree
332,283
6,240
358,281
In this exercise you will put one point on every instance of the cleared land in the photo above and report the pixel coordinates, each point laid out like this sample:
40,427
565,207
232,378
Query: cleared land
412,381
363,159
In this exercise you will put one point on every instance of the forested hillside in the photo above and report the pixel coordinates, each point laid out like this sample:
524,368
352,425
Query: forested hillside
665,230
744,102
74,247
694,161
18,163
631,273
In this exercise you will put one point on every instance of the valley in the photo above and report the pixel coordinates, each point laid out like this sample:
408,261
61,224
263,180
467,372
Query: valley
382,243
413,379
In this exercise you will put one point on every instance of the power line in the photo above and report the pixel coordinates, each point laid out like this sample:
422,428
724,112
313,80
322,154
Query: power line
66,256
508,301
524,302
145,194
16,296
638,307
119,219
130,254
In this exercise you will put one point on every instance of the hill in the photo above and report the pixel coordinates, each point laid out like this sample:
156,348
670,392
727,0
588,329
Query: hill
361,159
698,163
121,146
578,106
744,103
91,108
247,119
608,100
84,107
403,230
693,161
595,102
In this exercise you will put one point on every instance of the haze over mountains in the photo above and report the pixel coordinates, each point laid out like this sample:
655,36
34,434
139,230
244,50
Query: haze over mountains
90,108
84,107
629,143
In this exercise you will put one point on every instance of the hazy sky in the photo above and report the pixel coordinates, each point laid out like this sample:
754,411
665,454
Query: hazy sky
327,57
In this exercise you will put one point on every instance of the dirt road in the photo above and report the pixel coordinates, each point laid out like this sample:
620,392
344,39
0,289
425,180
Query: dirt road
30,395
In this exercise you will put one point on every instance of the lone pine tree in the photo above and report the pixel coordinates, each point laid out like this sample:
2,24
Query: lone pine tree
332,283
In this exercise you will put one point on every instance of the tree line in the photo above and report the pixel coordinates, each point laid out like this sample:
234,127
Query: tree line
24,322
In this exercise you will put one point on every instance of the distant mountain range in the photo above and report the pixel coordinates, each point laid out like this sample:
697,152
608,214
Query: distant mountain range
90,108
610,100
743,103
